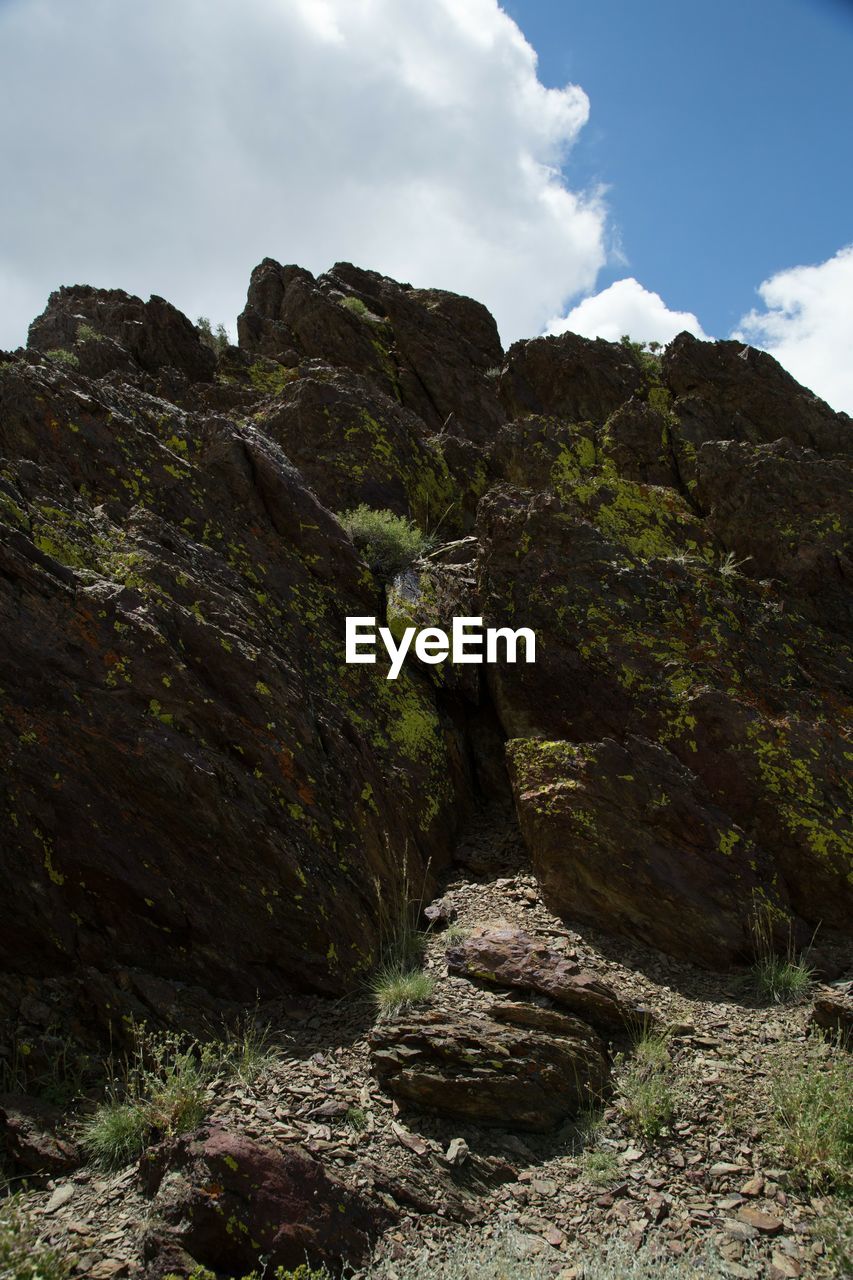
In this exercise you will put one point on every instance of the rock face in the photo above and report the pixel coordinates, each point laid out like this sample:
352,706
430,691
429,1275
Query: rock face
224,1200
511,958
486,1072
833,1012
199,794
194,782
107,329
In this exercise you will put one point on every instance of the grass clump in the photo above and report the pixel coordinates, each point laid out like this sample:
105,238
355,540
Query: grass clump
356,306
164,1087
813,1116
21,1255
599,1166
249,1051
776,978
59,355
395,987
646,1094
388,542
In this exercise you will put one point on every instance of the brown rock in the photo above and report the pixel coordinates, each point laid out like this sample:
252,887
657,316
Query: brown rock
226,1201
763,1222
480,1071
511,958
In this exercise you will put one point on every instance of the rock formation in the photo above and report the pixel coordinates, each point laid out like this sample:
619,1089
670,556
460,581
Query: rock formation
199,792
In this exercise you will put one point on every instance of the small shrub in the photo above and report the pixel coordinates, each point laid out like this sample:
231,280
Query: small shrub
162,1088
356,1119
388,542
621,1260
780,979
455,933
356,306
59,355
813,1116
249,1052
21,1255
646,1094
395,988
85,333
217,339
599,1166
730,565
117,1133
494,372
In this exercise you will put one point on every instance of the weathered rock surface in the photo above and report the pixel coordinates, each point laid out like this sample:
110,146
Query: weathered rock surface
488,1073
109,329
227,1201
197,789
194,782
511,958
430,349
29,1138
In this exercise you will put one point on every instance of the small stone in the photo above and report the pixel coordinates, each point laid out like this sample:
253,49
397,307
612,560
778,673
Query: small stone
61,1196
753,1187
784,1268
555,1237
724,1169
457,1152
764,1222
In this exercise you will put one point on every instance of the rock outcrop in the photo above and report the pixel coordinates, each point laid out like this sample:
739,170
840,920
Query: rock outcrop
199,793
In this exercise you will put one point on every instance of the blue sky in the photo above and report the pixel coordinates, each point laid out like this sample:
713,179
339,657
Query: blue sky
600,165
723,130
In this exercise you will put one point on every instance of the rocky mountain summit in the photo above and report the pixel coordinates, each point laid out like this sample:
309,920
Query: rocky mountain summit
204,806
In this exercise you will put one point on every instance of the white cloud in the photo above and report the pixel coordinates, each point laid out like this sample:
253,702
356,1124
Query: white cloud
625,307
167,147
807,324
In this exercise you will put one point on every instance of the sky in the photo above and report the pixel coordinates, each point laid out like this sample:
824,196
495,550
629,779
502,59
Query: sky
608,167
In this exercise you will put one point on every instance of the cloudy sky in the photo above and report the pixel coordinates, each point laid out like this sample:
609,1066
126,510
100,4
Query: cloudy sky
609,167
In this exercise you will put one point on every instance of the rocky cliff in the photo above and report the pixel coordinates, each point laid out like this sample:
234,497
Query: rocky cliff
198,790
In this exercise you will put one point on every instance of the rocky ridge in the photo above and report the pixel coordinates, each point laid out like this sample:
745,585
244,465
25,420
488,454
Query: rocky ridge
202,805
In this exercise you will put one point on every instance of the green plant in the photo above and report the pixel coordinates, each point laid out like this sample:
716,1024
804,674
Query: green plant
357,1119
162,1088
217,339
249,1051
395,987
782,979
494,372
645,1089
21,1255
455,933
621,1260
599,1166
85,333
388,542
813,1116
356,306
59,355
730,565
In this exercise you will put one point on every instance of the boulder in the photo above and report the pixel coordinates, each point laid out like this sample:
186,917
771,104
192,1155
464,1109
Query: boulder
627,837
226,1202
489,1073
511,958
